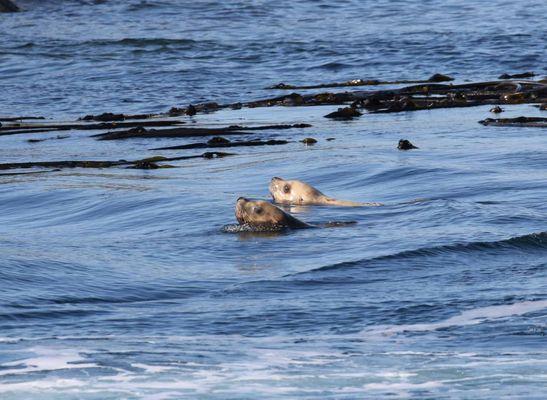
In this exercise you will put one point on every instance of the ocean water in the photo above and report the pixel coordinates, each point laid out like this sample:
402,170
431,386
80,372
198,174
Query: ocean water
119,284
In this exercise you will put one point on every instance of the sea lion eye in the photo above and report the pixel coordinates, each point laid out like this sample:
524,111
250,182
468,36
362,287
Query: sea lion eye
286,188
258,210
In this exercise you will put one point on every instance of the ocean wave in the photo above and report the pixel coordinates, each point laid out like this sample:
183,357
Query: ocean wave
468,317
140,42
534,241
331,66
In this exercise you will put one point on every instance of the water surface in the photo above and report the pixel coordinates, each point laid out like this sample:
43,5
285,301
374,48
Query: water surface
118,283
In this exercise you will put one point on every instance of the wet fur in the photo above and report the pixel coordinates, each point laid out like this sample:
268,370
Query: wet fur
301,193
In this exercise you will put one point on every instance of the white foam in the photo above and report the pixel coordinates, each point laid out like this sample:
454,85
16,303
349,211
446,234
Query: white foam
8,340
40,385
469,317
46,360
162,396
152,369
401,386
261,367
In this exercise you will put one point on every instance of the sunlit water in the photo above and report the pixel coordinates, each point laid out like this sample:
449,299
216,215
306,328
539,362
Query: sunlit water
119,283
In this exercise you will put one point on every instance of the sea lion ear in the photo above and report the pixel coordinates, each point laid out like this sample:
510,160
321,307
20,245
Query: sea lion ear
287,188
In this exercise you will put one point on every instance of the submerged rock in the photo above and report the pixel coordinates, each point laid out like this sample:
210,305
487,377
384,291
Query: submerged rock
440,78
372,103
137,130
104,117
218,140
403,104
344,113
516,76
293,99
191,110
144,165
309,141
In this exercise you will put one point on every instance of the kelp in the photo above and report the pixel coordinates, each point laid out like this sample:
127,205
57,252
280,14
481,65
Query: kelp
145,163
218,142
533,122
141,132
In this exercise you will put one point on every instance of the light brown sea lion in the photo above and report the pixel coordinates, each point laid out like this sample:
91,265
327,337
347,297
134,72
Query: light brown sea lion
297,192
262,215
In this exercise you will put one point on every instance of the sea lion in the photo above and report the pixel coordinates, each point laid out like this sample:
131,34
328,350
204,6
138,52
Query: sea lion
261,216
300,193
258,216
496,110
405,144
8,6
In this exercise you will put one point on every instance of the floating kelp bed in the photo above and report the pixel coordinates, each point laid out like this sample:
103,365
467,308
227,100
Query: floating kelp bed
20,128
531,122
421,95
145,163
362,82
141,132
218,141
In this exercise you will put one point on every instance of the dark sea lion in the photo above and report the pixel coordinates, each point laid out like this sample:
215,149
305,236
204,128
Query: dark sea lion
406,145
300,193
496,110
262,215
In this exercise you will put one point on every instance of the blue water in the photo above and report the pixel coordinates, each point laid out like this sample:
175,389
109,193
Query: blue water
118,283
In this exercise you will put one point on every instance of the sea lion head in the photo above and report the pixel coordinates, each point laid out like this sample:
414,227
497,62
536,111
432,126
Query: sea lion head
260,213
293,192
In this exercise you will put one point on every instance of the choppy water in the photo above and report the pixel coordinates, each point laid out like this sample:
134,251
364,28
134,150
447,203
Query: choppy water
119,284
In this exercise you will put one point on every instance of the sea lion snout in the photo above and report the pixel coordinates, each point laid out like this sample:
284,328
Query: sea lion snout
275,186
240,209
